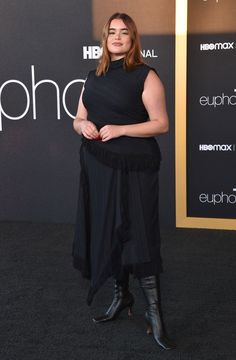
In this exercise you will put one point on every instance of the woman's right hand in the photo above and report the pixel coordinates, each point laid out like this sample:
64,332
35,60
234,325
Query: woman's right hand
88,129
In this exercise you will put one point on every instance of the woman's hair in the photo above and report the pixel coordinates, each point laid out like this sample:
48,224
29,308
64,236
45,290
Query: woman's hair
133,57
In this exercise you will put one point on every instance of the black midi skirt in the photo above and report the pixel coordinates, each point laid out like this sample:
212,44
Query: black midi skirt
117,223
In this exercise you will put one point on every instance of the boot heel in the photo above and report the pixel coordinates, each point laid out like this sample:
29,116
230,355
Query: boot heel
130,306
149,327
130,311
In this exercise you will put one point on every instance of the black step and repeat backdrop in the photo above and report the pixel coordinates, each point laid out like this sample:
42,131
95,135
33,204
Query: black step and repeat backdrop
47,49
212,109
210,114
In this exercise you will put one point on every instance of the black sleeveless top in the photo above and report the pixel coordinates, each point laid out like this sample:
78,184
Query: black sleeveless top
116,98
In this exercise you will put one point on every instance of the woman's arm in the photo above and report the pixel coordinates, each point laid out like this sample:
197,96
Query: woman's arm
81,124
154,101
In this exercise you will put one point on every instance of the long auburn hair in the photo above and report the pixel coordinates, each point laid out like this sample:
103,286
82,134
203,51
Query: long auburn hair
133,57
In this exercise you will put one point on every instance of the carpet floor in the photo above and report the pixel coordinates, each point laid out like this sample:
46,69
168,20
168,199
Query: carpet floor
44,315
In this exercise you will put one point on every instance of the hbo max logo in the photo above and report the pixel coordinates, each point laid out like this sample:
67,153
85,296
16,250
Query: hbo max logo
217,147
218,46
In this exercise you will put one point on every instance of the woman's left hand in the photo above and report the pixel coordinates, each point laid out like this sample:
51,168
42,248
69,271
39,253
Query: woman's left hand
109,132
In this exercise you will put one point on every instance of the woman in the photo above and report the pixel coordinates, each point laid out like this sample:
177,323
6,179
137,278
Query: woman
121,109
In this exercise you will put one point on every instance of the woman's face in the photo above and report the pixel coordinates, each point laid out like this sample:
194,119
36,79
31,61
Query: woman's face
118,40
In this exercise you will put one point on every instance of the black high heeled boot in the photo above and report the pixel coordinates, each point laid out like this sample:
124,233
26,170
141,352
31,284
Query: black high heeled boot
153,315
122,299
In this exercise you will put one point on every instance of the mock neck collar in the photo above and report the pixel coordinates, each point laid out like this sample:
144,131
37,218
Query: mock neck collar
117,63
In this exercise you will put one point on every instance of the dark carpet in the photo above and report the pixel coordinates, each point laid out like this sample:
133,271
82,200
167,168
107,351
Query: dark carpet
44,315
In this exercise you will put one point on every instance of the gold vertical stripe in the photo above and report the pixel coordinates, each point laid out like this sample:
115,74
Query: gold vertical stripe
180,109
